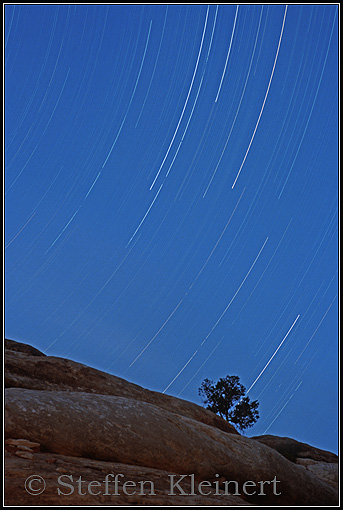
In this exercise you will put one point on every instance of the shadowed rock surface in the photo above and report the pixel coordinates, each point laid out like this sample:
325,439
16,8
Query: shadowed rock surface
62,417
12,345
321,463
53,466
293,450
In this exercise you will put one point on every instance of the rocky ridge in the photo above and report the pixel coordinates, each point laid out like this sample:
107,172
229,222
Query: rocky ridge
97,439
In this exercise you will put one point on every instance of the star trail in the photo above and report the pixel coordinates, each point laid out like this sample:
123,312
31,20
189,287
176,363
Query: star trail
171,198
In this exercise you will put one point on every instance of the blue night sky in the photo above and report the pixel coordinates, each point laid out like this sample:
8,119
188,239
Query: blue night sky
171,198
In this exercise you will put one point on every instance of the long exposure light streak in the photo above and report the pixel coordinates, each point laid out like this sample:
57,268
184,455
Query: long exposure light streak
171,197
264,101
186,102
273,355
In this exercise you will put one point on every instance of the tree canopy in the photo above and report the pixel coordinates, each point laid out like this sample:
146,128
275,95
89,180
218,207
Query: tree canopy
227,398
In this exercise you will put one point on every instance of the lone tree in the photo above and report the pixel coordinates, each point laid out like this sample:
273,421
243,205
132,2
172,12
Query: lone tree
227,398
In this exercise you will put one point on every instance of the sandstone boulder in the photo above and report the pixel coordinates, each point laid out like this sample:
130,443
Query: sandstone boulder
326,471
52,467
64,418
293,450
13,345
25,368
118,429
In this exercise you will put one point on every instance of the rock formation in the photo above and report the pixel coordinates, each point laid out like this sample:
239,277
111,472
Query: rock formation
320,462
97,439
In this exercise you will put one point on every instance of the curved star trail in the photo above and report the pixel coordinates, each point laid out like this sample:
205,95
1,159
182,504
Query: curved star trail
171,198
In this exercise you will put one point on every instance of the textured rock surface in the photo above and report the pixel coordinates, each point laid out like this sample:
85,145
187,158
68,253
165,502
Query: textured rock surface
87,423
119,429
12,345
54,466
293,450
26,367
319,462
326,471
